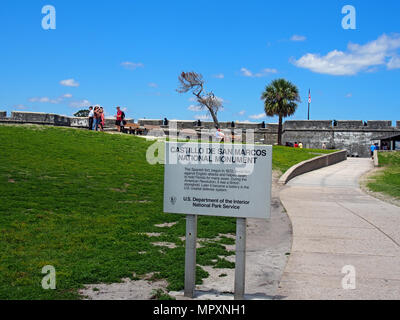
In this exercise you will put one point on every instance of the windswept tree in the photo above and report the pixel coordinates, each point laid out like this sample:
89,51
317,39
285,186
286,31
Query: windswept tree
280,99
193,82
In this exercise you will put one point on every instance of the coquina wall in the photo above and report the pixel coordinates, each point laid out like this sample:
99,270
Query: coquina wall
19,117
353,136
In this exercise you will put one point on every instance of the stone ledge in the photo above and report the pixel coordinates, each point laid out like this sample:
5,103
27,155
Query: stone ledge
313,164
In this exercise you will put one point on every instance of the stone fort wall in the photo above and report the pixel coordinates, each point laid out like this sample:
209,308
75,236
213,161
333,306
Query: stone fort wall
354,136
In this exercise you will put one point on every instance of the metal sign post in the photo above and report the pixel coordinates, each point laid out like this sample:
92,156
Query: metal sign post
240,266
190,255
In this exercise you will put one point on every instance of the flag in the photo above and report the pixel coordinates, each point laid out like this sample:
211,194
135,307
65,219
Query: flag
309,96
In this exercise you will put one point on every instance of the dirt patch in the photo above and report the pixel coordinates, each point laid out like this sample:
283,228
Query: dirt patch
369,177
153,234
169,245
126,290
166,225
118,190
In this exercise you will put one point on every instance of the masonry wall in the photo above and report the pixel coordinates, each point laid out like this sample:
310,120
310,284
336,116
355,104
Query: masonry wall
354,136
50,119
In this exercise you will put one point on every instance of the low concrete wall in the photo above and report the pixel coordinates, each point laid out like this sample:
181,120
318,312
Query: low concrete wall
313,164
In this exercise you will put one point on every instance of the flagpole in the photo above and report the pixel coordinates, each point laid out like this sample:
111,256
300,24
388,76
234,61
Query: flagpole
309,102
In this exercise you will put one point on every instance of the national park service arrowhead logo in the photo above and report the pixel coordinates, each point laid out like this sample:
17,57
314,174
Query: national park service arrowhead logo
173,200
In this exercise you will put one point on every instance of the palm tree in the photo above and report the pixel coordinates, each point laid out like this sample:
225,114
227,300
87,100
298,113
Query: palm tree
280,98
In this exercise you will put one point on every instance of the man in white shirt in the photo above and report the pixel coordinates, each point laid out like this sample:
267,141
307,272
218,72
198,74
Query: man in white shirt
91,116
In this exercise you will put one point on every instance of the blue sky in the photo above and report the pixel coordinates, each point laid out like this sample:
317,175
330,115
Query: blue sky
130,53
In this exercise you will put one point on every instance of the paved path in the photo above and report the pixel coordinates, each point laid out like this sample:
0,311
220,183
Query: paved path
335,225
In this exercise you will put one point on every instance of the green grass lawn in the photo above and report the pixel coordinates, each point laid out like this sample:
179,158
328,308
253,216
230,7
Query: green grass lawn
387,181
284,157
83,202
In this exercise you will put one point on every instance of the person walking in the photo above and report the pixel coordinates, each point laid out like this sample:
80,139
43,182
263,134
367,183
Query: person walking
118,122
91,116
372,148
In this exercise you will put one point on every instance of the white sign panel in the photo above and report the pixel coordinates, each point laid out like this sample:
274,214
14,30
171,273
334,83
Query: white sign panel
230,180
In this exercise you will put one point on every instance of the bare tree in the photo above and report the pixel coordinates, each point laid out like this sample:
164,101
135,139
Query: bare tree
193,82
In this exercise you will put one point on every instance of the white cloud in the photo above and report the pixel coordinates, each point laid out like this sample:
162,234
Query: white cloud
203,117
80,104
258,116
21,107
358,58
247,73
153,85
52,101
298,38
40,99
394,63
242,113
219,76
194,108
132,65
349,95
69,83
221,100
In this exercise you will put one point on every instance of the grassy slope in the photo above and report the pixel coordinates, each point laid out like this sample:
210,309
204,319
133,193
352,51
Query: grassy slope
388,181
82,201
284,158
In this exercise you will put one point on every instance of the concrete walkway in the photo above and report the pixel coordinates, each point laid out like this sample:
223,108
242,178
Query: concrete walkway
336,225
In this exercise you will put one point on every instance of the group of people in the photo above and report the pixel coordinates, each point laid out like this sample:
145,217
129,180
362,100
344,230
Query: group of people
97,120
297,145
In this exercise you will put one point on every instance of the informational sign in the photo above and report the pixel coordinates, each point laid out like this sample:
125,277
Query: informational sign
230,180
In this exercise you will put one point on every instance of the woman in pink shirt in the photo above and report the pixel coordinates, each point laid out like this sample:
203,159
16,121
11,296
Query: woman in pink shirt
102,122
